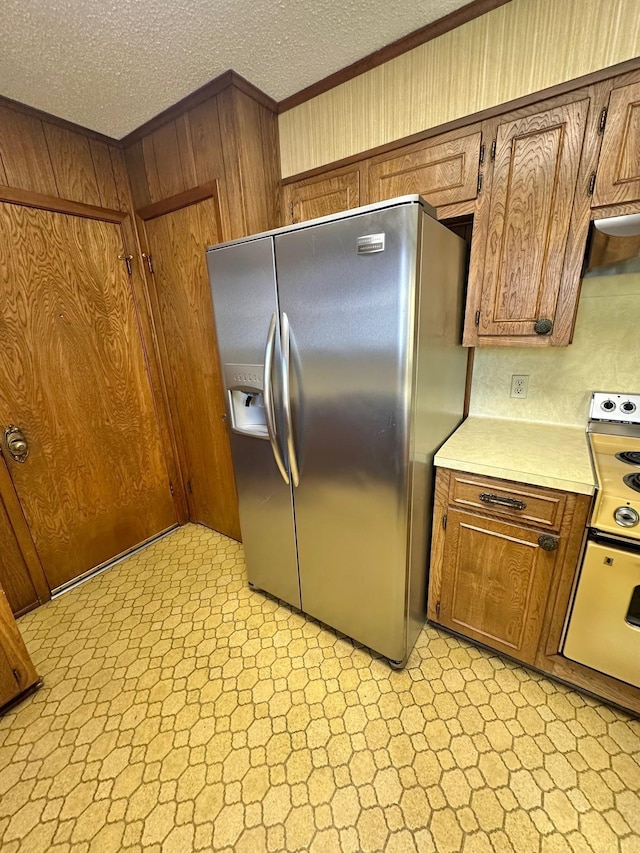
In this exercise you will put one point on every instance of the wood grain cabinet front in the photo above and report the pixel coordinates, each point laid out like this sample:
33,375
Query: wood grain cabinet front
17,672
522,230
443,170
324,195
618,177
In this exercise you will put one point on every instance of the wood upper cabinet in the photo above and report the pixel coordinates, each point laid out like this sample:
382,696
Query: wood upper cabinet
618,177
523,228
329,193
442,170
17,672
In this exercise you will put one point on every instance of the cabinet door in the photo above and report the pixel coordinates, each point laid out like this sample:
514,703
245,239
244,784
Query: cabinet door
618,178
495,583
16,669
526,228
322,196
14,575
441,172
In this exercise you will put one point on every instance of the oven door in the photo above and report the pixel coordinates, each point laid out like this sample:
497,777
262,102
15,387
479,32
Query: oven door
604,627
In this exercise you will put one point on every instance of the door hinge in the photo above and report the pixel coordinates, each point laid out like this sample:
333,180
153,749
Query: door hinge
478,317
438,608
16,675
149,262
189,489
493,149
592,183
127,259
482,154
291,212
444,521
603,120
479,183
171,487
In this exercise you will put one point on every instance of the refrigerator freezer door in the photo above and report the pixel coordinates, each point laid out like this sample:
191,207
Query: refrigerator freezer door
348,290
244,295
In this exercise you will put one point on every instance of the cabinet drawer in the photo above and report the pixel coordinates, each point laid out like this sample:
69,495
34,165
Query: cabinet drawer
505,499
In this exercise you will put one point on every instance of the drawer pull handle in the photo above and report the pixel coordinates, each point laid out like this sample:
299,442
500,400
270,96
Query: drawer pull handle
512,503
548,543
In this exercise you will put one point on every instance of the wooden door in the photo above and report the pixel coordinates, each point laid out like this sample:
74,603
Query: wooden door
73,378
443,172
525,235
329,193
618,178
495,583
17,672
177,242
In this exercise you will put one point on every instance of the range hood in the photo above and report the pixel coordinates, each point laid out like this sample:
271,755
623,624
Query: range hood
615,246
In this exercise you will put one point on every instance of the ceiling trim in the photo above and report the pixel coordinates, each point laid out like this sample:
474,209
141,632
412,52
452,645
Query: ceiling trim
213,87
52,119
427,33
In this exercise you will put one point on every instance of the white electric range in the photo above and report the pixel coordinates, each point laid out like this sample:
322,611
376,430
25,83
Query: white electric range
603,630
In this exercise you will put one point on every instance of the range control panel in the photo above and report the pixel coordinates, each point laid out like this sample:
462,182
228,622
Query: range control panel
615,408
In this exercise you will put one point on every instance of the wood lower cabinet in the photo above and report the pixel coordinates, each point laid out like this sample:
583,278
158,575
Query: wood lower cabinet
17,672
443,170
496,579
504,558
329,193
523,228
618,178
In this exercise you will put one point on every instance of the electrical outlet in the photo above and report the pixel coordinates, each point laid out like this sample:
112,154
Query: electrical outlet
519,385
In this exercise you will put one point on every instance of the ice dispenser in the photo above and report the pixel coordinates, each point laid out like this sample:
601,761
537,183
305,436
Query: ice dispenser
246,399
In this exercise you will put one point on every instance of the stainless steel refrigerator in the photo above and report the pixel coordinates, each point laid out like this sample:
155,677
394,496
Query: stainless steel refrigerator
340,345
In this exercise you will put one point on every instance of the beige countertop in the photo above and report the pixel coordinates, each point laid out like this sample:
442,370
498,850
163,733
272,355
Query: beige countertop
536,453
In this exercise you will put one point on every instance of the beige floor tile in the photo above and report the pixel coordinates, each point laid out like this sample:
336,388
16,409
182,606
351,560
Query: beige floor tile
183,711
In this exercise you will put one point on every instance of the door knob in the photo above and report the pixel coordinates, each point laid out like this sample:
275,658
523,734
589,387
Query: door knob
16,443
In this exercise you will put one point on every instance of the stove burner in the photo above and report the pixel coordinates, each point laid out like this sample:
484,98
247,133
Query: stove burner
631,457
633,481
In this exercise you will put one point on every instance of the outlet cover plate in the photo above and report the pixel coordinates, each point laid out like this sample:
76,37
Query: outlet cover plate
519,385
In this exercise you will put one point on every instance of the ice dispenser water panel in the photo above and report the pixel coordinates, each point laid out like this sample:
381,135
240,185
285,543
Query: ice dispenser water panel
246,400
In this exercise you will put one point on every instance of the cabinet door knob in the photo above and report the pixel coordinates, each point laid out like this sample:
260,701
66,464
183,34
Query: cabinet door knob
543,326
547,542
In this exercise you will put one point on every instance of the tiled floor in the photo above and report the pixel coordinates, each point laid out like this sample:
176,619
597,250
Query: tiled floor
182,711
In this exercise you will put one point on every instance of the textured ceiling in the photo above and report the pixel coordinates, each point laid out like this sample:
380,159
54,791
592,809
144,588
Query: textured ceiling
112,64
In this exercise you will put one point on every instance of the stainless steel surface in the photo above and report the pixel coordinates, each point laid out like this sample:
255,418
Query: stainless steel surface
513,503
268,397
371,383
244,295
334,217
286,400
16,443
601,633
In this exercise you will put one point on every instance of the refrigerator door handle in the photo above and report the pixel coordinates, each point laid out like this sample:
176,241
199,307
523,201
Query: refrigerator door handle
286,396
268,398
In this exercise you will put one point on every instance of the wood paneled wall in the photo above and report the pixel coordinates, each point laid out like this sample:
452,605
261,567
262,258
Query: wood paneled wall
49,158
230,137
517,49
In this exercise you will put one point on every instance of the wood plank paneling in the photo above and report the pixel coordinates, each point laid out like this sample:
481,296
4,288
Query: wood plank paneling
164,161
137,173
24,152
72,165
206,142
105,179
518,49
